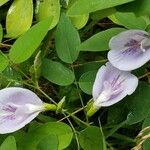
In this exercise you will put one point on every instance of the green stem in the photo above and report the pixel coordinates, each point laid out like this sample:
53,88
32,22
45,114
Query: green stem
77,119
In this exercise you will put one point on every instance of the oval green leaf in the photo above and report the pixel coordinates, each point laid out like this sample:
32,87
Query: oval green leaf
99,41
9,144
80,21
26,44
81,7
92,139
19,17
48,8
61,130
130,21
67,40
57,73
86,81
138,104
50,142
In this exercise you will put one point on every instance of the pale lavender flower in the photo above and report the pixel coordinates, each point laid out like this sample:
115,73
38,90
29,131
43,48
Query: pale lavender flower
129,49
18,106
112,85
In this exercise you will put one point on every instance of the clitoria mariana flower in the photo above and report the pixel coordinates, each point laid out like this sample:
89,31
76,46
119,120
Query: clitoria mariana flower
18,107
129,49
111,86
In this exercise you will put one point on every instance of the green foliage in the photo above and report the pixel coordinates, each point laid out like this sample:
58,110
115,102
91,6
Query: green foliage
80,21
61,76
67,41
86,81
99,41
55,48
138,104
92,138
130,21
19,18
4,61
3,2
87,6
49,142
33,139
26,44
9,144
48,8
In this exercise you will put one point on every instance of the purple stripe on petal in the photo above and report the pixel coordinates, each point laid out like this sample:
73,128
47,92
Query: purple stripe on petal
18,106
132,52
114,85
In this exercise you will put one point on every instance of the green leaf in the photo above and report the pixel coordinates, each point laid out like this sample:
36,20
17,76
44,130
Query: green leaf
99,41
48,8
9,144
50,142
92,138
57,73
67,41
19,17
138,104
2,2
1,33
139,7
98,15
61,130
130,21
81,7
26,44
80,21
4,61
86,81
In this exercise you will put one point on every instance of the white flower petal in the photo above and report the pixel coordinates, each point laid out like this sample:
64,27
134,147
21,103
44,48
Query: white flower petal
114,85
119,41
126,61
14,104
97,86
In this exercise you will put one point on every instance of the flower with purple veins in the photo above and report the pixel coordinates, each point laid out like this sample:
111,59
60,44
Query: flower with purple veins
111,86
129,49
18,107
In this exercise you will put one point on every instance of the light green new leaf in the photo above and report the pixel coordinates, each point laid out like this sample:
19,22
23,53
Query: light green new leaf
80,21
4,61
130,21
86,81
19,17
61,130
9,144
3,2
67,40
1,33
26,44
48,8
57,73
99,41
92,139
81,7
